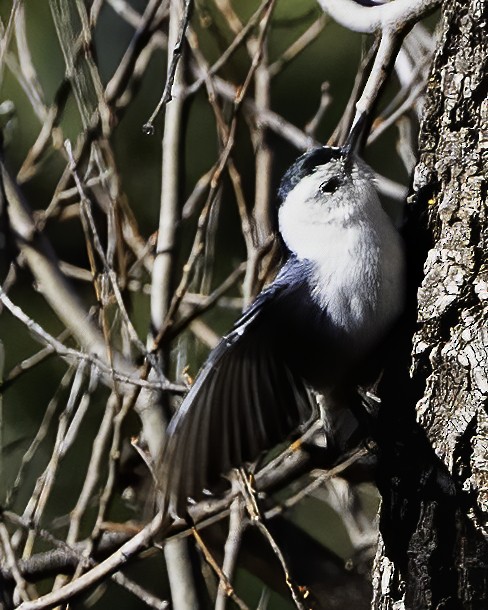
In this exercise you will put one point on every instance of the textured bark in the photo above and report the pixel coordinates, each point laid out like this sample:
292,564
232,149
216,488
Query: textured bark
453,298
434,482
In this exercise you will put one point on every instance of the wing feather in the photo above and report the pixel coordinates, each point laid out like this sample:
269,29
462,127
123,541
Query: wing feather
245,400
201,458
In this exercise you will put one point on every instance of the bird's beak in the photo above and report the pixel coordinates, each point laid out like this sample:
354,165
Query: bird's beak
356,137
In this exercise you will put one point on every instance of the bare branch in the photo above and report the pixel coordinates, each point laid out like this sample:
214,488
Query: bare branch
232,544
8,552
63,558
113,563
391,21
299,594
176,46
390,16
144,25
227,587
73,355
7,34
298,45
26,65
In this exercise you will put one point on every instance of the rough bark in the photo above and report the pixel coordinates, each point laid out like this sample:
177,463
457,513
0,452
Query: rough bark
434,480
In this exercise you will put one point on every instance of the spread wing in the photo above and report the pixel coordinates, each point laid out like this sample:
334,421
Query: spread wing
244,400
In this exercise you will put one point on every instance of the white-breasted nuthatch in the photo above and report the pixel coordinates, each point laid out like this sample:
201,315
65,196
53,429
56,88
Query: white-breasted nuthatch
339,291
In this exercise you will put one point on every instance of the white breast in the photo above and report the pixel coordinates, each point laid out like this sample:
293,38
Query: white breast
356,252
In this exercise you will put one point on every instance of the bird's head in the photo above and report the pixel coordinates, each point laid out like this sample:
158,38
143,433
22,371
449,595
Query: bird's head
326,190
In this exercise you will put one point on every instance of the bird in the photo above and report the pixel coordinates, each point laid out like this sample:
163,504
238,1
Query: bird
311,331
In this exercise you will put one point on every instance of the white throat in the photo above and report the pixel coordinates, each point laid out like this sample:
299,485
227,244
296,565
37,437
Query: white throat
355,251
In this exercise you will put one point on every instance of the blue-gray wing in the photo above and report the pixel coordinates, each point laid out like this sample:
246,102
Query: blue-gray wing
245,399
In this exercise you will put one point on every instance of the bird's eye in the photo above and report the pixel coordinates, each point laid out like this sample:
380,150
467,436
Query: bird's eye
331,185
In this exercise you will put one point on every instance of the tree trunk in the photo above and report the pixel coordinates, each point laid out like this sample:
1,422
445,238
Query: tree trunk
434,479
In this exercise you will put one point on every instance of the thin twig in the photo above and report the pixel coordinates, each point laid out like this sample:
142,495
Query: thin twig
176,52
93,471
41,565
392,21
237,525
325,101
86,213
299,45
180,574
261,213
318,480
7,34
8,552
209,301
73,355
240,36
45,483
145,25
113,563
26,65
299,594
198,243
227,586
32,361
